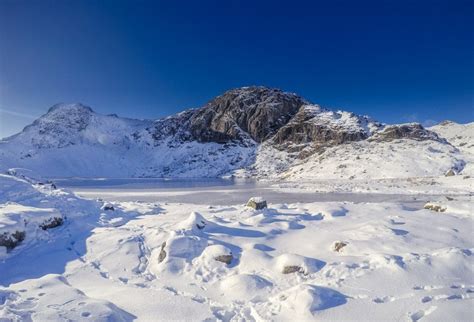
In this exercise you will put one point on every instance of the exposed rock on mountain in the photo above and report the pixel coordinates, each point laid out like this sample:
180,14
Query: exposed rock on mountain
255,112
254,131
412,131
314,127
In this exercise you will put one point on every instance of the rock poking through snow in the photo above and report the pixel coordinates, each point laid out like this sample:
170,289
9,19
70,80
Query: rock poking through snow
52,223
108,207
11,240
338,246
450,173
434,207
257,203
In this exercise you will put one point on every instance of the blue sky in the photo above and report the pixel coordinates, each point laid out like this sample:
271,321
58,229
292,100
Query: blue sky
397,61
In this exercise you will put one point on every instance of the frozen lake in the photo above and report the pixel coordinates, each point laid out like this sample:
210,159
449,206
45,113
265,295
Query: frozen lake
215,191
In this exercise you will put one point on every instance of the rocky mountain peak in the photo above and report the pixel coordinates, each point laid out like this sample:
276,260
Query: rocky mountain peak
64,108
244,113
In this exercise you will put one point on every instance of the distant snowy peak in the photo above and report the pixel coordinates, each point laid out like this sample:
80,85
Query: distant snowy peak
70,124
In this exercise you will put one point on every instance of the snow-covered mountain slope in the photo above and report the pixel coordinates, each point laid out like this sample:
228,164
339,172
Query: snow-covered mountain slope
462,137
254,131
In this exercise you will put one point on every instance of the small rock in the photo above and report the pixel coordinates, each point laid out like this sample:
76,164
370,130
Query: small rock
434,207
292,269
52,222
108,207
224,258
162,254
449,198
257,203
450,173
339,245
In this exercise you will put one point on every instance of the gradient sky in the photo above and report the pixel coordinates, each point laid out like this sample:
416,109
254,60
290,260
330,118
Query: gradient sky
397,61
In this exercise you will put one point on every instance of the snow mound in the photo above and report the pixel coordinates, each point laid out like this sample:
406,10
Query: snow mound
240,286
307,299
53,297
195,223
293,263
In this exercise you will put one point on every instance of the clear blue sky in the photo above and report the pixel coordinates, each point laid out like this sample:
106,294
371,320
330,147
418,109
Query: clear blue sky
397,61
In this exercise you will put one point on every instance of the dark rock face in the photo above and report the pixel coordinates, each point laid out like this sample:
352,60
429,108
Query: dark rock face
10,241
52,222
255,112
245,115
412,131
307,129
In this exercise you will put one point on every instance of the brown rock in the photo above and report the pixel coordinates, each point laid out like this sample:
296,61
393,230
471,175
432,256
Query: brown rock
339,245
257,203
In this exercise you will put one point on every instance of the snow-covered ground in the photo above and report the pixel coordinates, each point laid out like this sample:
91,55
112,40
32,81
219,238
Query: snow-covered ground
220,260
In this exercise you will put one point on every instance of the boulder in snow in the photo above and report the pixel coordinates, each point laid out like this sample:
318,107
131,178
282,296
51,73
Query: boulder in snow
293,263
108,207
450,173
162,255
338,246
434,207
257,203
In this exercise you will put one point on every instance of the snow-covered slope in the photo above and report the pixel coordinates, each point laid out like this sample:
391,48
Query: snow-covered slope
462,137
251,131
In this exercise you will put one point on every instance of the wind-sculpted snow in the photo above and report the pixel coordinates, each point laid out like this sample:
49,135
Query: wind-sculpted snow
250,131
125,261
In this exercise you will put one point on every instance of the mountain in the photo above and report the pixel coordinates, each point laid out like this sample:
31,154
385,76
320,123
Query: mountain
249,131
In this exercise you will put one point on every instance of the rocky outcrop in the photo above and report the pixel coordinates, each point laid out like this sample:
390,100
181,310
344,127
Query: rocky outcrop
412,131
240,114
12,240
52,223
316,127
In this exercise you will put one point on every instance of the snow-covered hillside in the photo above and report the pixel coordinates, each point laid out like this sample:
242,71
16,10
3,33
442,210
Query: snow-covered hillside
462,137
251,131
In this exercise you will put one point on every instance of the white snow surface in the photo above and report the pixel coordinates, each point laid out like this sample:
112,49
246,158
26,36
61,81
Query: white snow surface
400,262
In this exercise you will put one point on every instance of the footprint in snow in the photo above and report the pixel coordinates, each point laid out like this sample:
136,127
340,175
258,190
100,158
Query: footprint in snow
394,222
422,313
384,299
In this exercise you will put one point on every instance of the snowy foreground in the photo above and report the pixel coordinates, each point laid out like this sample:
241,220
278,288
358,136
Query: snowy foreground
74,259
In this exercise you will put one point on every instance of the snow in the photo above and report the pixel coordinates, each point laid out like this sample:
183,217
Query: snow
400,262
138,251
